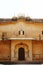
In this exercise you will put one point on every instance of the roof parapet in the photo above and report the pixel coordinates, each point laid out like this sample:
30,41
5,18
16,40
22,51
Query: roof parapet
20,17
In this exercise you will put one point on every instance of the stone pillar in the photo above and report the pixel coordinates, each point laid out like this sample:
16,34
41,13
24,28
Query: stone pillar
30,50
12,51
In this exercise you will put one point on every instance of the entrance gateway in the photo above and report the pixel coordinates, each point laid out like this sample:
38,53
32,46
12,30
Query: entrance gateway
21,54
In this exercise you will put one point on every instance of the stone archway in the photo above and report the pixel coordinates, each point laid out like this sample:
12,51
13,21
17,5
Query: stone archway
24,50
21,54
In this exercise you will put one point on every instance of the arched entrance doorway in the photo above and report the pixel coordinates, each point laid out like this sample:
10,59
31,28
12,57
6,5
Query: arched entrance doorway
21,54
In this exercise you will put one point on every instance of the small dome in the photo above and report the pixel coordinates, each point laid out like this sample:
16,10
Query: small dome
21,17
14,18
28,19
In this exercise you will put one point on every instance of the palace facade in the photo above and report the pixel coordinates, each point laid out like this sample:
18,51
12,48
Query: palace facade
21,39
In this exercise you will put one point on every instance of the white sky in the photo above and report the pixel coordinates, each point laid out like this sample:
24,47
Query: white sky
10,8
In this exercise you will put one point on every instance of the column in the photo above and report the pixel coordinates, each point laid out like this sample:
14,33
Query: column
12,51
30,50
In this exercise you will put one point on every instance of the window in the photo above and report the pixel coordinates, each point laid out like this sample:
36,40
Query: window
21,32
4,35
42,32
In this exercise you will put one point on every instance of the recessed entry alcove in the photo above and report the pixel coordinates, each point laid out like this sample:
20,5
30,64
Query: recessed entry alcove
21,51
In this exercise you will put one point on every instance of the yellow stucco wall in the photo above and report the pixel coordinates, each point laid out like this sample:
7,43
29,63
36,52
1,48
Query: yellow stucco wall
31,29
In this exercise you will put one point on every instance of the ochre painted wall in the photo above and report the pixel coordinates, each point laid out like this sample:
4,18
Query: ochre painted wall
37,50
31,29
9,50
5,50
